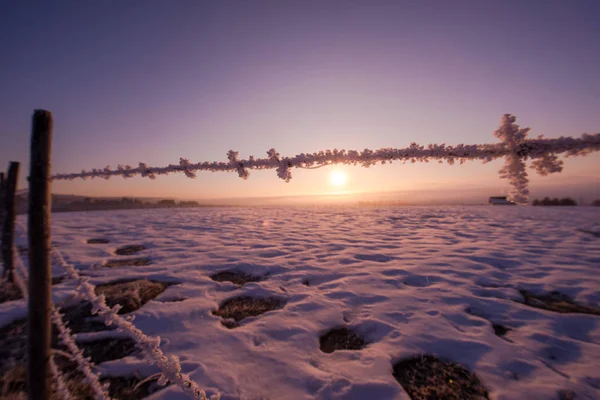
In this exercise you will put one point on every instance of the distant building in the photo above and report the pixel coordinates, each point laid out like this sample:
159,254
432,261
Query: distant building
501,201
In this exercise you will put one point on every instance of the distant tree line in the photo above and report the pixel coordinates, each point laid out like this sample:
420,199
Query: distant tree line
98,204
546,201
127,203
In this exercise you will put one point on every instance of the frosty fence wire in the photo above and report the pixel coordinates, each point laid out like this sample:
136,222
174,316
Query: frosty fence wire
38,293
514,147
84,363
169,365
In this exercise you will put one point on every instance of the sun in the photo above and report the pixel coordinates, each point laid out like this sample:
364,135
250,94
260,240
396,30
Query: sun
338,178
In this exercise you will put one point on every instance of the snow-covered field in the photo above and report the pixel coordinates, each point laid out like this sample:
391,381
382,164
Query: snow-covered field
411,281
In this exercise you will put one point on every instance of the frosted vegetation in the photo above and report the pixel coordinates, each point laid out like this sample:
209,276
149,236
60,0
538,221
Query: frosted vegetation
345,304
515,147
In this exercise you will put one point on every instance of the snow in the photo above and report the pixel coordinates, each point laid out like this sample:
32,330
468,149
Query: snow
410,280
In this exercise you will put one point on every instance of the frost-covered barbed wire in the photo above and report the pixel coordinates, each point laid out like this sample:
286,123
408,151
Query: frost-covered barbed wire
84,363
514,146
21,276
169,365
61,386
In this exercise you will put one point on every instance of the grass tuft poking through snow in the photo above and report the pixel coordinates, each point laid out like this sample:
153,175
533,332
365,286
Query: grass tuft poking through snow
427,377
80,319
13,385
131,262
242,307
13,359
132,387
9,291
98,241
235,277
108,349
13,345
131,295
129,249
557,302
341,339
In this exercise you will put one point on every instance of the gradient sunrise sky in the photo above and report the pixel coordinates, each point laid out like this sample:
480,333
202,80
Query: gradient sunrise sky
149,81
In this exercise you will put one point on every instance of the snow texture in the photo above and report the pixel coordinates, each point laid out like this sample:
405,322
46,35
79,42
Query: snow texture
410,281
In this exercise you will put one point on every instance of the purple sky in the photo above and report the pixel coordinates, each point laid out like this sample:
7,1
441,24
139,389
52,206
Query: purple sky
146,81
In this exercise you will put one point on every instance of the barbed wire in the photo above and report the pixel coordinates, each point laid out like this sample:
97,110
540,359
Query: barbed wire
169,365
514,146
76,354
21,278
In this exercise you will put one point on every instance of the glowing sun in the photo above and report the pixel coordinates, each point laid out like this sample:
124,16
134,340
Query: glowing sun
338,178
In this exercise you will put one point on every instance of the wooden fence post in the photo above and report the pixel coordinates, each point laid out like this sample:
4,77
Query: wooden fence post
40,275
8,225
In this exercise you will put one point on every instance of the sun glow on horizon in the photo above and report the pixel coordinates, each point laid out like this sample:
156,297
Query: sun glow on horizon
338,178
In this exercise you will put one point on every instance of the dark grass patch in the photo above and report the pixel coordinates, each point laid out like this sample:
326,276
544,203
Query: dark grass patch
58,279
13,349
566,395
13,359
98,241
173,299
108,349
230,323
593,233
131,387
500,330
306,282
557,302
13,385
341,339
131,295
13,344
235,277
428,378
129,249
238,308
132,262
9,291
79,319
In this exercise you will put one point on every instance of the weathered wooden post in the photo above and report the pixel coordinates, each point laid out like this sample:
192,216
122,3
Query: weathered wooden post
39,257
8,225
